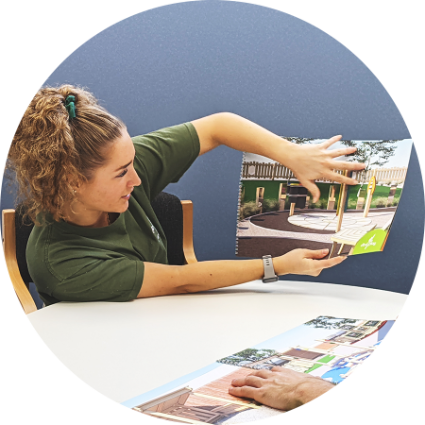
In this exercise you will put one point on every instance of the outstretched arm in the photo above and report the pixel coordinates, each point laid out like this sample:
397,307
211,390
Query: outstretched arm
308,162
162,279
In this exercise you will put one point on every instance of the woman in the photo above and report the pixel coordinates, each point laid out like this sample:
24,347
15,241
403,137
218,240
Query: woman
88,186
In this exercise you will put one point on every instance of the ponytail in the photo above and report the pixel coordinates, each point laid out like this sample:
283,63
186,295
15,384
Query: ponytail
52,149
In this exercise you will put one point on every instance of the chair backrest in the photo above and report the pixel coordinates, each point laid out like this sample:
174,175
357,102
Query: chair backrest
168,209
23,227
10,243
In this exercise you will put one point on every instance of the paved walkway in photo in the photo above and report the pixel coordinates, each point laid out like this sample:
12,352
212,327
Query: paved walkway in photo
313,221
329,221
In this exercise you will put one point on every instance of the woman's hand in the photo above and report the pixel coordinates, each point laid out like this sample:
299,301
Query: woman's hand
304,261
313,162
280,388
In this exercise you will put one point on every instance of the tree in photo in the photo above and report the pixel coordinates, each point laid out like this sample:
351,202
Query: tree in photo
329,322
374,154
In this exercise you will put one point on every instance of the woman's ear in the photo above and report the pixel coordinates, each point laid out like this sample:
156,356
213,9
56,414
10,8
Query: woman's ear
74,183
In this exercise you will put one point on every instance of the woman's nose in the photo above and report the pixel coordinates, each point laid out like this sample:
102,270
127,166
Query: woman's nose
135,179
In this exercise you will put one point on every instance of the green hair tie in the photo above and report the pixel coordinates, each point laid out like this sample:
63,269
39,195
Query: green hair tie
70,106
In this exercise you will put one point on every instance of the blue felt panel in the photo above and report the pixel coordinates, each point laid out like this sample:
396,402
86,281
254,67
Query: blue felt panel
184,61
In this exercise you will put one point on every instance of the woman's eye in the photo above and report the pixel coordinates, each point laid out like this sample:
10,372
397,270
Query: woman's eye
123,173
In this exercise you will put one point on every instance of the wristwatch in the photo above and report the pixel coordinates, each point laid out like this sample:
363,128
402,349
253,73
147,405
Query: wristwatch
269,274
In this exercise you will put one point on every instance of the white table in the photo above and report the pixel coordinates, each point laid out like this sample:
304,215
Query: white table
125,349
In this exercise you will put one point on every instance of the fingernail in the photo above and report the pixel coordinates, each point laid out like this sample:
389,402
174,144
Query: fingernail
325,251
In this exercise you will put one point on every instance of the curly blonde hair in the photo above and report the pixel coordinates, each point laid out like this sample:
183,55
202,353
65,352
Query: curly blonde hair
51,152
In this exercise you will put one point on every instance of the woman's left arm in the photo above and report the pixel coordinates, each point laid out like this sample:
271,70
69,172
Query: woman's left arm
308,162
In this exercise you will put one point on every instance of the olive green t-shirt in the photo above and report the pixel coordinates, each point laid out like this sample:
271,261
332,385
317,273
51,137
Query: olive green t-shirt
72,263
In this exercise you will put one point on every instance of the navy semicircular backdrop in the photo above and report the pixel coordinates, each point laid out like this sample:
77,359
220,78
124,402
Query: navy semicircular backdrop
180,62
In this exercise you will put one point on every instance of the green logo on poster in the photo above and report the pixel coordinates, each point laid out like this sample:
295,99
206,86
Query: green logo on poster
371,242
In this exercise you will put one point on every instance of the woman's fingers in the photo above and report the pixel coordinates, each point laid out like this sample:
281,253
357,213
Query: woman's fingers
340,178
331,141
335,153
317,253
350,166
317,266
325,264
312,188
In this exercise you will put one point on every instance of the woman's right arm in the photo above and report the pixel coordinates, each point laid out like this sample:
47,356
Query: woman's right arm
162,279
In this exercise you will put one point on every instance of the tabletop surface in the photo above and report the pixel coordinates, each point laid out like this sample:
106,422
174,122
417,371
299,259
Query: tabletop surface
125,349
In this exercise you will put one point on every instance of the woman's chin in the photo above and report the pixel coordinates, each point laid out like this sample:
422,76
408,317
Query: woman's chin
119,207
123,208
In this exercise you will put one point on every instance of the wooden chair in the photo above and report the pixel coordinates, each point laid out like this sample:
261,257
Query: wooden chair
175,216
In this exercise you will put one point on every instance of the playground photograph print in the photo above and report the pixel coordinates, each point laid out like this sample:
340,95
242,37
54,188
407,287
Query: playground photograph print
276,214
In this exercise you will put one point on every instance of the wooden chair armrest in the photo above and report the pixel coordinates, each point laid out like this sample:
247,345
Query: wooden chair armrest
188,250
9,246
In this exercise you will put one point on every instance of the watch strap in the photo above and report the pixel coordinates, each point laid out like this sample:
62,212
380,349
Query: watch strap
269,273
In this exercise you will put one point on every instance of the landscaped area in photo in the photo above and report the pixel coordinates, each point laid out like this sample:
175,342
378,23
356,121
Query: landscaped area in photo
276,214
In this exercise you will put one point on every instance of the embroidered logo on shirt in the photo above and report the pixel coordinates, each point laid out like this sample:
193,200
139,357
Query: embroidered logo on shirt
154,231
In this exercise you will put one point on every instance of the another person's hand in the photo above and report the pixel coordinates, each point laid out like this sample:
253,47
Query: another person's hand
279,388
316,161
305,262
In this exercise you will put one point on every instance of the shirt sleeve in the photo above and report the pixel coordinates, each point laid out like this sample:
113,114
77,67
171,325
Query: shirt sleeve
163,156
98,279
